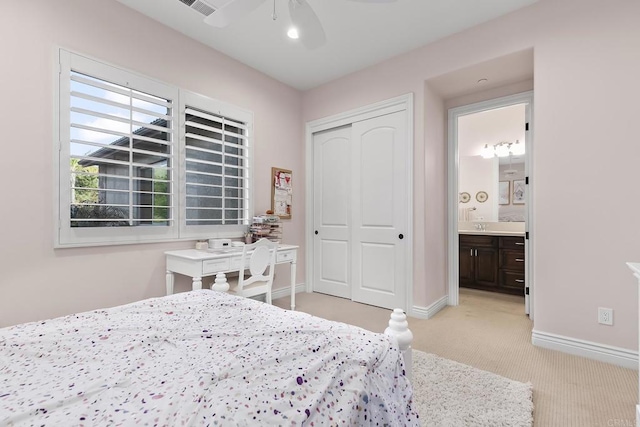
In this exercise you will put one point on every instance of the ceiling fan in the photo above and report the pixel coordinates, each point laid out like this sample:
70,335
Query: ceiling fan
304,19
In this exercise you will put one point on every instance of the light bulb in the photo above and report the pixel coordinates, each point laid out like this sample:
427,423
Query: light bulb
518,148
487,152
293,33
502,150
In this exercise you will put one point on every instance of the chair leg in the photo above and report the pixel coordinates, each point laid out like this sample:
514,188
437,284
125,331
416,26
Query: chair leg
269,297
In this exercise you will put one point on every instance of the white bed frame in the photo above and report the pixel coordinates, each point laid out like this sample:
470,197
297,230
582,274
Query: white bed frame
399,329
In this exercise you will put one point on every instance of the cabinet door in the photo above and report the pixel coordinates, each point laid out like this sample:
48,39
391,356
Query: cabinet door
486,266
466,270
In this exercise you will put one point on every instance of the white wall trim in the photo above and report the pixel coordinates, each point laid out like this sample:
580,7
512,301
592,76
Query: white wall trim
392,105
452,187
285,292
428,312
601,352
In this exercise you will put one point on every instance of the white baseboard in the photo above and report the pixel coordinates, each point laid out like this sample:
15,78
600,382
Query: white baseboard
286,291
603,353
428,312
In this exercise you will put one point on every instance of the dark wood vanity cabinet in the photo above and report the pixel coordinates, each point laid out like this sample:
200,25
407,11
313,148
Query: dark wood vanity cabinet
512,278
478,261
492,263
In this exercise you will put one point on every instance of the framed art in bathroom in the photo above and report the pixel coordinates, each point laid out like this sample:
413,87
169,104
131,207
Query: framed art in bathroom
518,191
504,192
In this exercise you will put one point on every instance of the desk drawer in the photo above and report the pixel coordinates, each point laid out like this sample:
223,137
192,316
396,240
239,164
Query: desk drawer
235,263
285,256
215,265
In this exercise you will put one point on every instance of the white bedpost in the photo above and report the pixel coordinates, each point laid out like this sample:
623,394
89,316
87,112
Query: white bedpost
399,329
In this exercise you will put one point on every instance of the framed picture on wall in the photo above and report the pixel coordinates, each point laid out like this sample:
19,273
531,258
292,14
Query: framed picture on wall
518,191
504,193
281,192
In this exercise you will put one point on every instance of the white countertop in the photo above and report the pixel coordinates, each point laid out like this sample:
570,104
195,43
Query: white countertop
492,233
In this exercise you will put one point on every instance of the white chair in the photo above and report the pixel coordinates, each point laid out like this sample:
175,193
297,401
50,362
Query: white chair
257,258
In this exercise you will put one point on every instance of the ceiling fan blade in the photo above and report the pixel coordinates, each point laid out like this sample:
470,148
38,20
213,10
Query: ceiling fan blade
306,21
231,11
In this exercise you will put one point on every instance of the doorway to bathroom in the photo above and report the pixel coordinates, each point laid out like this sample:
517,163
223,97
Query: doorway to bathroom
490,189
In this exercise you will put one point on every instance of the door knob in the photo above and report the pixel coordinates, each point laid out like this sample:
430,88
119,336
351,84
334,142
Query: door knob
401,236
316,232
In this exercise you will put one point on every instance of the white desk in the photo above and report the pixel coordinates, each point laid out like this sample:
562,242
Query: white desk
198,264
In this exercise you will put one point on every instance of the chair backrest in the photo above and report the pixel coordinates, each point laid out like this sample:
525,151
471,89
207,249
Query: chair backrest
258,257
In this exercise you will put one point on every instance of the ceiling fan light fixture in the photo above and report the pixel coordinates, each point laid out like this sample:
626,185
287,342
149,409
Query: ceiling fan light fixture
292,33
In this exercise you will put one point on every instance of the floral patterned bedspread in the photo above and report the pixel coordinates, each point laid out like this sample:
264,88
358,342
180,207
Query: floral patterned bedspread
200,358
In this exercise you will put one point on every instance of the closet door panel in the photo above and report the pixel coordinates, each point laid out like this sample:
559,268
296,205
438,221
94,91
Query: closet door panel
332,199
379,219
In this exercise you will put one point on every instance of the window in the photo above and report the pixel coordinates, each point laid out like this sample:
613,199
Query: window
142,161
216,167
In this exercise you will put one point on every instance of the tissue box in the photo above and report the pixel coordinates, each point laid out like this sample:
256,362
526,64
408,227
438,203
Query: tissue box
202,246
219,243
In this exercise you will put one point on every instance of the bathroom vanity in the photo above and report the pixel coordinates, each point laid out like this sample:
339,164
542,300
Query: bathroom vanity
492,261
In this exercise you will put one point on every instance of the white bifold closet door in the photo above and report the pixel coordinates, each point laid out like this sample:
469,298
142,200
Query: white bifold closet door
360,211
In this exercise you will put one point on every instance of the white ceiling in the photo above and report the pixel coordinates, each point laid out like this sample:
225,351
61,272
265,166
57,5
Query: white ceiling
358,34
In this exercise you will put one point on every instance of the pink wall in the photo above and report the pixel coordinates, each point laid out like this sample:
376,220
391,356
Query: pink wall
38,282
431,162
586,67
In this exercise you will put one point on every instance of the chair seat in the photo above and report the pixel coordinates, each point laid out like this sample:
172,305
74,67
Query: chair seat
251,290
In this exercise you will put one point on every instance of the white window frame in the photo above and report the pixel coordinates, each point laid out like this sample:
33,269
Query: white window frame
67,236
213,106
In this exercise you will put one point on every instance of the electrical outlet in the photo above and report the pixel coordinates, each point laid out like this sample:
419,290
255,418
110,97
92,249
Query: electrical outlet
605,316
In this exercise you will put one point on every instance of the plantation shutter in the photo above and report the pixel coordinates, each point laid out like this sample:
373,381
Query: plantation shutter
121,155
217,169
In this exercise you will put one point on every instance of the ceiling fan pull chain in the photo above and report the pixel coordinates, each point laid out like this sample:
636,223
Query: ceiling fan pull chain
274,15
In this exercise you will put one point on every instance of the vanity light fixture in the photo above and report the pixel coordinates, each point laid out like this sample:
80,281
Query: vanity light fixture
503,149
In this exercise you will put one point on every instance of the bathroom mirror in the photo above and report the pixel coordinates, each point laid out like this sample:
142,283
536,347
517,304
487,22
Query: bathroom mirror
493,178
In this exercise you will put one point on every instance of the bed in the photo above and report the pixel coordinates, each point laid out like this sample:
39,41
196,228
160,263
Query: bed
200,358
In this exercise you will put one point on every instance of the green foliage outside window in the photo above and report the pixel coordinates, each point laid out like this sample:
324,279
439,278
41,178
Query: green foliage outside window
86,182
160,199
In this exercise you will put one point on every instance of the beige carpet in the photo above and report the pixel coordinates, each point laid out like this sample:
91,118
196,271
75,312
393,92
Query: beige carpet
490,332
448,393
